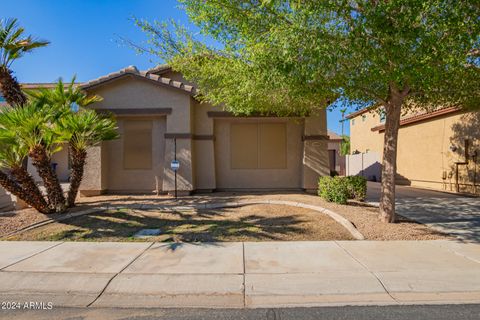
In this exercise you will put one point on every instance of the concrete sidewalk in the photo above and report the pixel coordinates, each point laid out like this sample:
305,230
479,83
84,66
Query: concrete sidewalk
237,275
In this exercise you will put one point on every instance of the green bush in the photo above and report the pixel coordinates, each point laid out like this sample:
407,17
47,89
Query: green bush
333,189
357,187
340,189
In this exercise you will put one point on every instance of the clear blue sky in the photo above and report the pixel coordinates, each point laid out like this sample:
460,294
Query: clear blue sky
84,36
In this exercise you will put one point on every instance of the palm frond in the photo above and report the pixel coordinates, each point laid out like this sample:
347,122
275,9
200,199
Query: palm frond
13,43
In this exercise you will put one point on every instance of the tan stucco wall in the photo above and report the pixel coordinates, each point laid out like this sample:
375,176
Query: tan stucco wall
104,169
315,152
204,150
424,149
61,159
136,180
362,139
228,178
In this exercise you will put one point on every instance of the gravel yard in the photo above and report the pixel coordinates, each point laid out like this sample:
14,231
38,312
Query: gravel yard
248,223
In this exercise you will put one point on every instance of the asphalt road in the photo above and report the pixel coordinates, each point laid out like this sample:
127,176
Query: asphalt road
432,312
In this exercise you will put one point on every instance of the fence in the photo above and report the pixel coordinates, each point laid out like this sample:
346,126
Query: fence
367,165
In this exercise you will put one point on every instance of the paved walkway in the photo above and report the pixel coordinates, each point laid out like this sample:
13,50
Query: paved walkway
455,214
237,275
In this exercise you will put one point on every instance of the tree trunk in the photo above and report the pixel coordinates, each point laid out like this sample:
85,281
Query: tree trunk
29,187
393,110
41,161
11,89
78,158
14,188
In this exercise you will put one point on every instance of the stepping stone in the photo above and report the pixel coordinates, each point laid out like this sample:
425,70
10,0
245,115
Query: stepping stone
146,233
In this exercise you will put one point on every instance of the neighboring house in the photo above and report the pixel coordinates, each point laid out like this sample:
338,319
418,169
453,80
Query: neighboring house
337,161
157,113
437,149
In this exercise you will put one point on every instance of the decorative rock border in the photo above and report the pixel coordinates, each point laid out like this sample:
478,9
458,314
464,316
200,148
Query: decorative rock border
202,206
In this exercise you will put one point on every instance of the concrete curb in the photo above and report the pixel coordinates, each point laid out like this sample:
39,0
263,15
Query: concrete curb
202,206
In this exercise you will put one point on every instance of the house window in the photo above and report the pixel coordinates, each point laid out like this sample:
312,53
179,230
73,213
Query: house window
353,122
137,144
258,146
382,115
364,117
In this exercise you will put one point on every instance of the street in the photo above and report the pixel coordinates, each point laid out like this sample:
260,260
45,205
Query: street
419,312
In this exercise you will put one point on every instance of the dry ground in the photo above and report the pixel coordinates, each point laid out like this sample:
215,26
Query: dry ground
247,223
242,224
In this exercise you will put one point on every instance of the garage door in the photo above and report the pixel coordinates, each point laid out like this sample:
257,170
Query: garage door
258,153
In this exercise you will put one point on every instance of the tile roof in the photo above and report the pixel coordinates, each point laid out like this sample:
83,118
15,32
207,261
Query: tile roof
161,68
421,116
148,75
359,112
333,136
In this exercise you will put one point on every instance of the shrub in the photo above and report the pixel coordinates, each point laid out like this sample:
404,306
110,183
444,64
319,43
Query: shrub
340,189
357,187
333,189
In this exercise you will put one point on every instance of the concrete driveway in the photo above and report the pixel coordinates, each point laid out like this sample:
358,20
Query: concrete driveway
455,214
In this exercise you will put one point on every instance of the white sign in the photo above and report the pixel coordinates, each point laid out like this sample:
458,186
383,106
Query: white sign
175,165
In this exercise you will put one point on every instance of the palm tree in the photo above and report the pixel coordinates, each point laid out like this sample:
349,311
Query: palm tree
83,130
31,126
13,45
79,130
19,182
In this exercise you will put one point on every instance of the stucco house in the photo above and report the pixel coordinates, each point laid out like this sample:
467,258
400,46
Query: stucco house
437,149
157,113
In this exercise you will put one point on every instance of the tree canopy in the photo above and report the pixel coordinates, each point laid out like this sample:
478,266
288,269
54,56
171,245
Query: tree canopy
284,56
292,57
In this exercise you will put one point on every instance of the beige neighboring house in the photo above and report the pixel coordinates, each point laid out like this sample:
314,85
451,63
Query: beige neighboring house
336,160
156,110
437,149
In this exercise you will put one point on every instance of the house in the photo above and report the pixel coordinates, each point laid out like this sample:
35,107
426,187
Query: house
437,149
336,159
159,120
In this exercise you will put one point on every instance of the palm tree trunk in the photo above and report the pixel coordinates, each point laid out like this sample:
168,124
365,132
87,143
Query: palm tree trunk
14,188
28,185
41,161
78,158
11,89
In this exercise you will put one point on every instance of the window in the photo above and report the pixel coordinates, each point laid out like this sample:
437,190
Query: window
258,146
353,122
137,144
364,117
382,115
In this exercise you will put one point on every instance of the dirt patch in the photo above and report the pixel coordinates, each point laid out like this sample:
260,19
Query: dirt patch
366,220
15,220
247,223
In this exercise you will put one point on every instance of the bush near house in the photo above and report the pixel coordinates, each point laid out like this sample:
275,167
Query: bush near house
340,189
357,187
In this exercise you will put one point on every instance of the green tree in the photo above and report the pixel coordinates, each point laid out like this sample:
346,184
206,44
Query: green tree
13,45
292,57
345,146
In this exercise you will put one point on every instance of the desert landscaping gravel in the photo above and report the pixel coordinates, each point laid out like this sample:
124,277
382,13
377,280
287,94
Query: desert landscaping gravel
304,224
